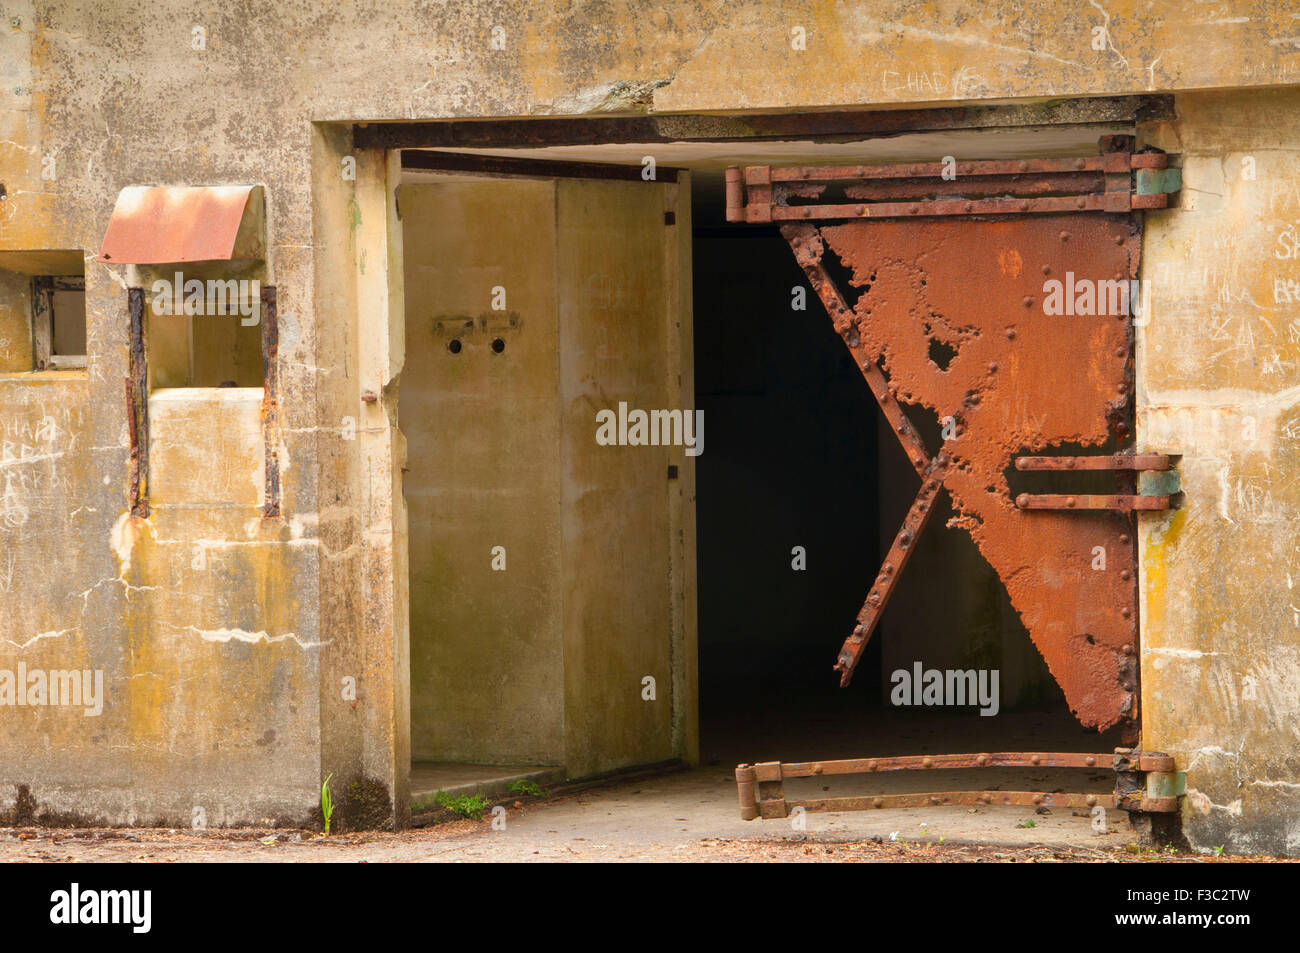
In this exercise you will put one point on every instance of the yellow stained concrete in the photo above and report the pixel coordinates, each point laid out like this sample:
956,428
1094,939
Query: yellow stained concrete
482,472
94,99
1219,382
542,662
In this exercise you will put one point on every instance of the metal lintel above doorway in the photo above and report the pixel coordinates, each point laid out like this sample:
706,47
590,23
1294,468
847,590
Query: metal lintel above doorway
822,126
1116,181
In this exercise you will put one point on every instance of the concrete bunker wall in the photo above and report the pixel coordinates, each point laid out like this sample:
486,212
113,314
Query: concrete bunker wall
111,99
1218,367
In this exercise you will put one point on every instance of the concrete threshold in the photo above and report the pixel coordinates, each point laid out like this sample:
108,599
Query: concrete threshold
458,779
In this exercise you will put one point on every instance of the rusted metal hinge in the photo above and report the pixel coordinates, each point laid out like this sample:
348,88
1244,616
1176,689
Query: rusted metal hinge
1144,782
1125,502
1119,180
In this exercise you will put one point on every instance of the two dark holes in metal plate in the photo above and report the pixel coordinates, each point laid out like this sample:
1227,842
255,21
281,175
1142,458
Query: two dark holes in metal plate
498,345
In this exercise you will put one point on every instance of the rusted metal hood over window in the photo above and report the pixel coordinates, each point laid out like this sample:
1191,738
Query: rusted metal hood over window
164,225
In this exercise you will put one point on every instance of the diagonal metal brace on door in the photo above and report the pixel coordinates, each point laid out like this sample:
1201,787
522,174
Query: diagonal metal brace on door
808,248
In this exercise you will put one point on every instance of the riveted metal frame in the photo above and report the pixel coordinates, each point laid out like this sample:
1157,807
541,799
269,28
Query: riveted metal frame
1103,183
1142,783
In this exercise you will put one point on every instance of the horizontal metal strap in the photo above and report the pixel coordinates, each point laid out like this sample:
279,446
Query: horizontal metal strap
996,759
1092,202
1099,183
1115,461
1107,162
1090,501
973,798
762,786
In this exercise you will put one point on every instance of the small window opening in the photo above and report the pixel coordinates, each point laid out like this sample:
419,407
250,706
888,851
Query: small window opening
204,326
59,322
42,310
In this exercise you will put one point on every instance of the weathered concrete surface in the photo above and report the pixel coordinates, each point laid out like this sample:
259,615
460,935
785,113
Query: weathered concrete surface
487,641
458,779
544,584
1219,379
93,99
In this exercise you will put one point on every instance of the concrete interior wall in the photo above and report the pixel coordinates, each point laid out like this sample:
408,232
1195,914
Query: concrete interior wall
205,350
15,321
68,322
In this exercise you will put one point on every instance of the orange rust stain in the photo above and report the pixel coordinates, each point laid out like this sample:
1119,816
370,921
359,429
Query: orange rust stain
1010,262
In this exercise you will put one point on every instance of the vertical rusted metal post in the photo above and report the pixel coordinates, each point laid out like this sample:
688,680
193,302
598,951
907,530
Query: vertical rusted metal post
745,789
271,402
42,321
735,194
758,186
137,398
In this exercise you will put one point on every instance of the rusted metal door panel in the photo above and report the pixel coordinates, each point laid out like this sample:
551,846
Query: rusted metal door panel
1015,381
943,305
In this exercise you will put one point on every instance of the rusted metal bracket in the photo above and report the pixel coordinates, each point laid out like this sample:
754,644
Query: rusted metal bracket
1124,502
1144,782
1147,782
137,404
271,402
1119,180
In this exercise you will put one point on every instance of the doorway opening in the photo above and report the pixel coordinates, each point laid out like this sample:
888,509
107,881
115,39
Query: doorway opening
799,498
799,493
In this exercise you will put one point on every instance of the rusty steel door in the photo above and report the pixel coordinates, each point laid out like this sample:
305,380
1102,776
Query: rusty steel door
1016,381
948,303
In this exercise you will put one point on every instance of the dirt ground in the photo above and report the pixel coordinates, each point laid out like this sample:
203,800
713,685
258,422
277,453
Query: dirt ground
466,842
688,817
